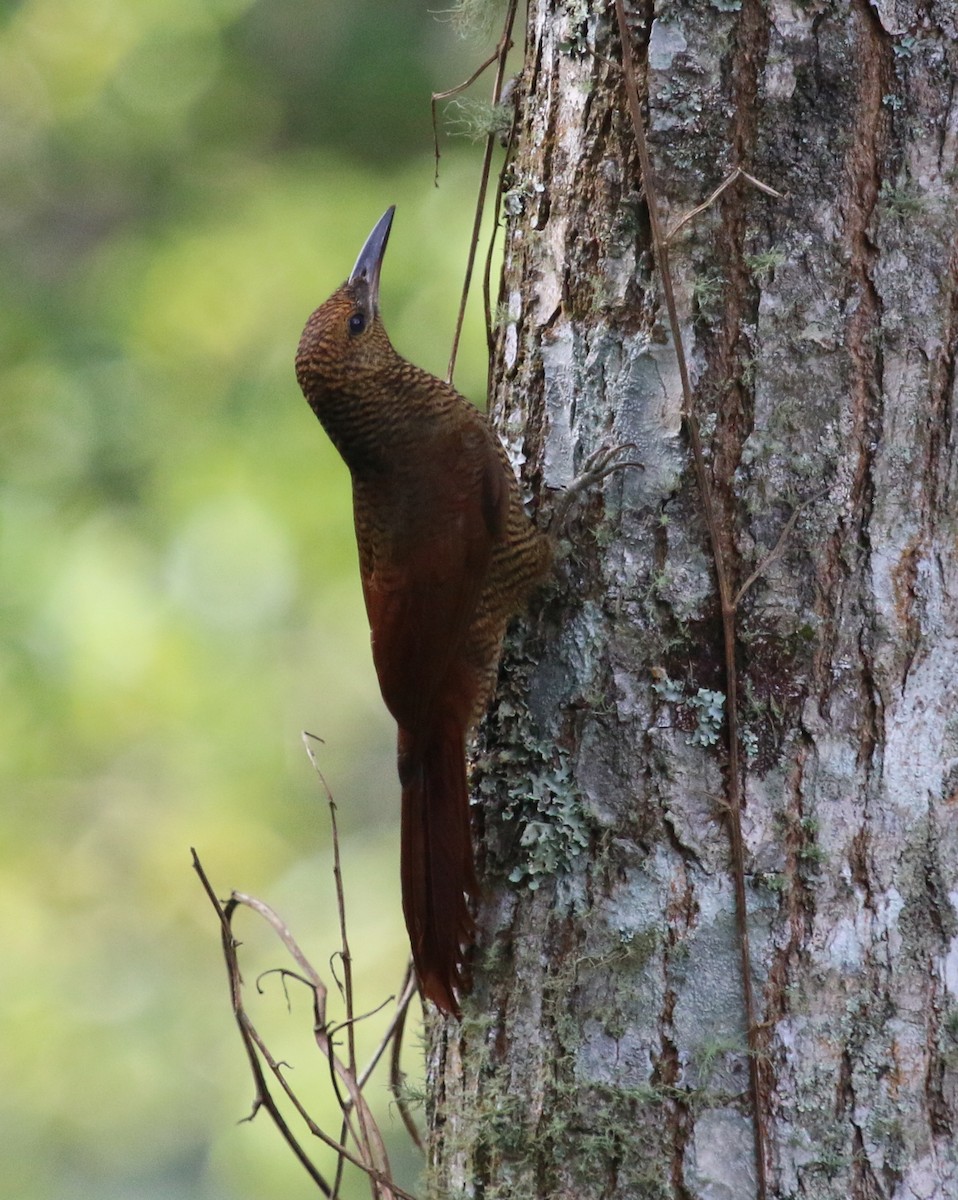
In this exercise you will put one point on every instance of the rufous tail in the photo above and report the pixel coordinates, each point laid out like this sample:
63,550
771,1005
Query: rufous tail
436,861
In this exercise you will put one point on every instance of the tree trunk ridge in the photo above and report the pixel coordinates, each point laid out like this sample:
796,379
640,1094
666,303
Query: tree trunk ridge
603,1051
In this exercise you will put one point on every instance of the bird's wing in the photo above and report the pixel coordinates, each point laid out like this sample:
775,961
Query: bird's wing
421,589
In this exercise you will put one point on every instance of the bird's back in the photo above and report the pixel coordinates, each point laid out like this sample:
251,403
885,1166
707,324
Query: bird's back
447,555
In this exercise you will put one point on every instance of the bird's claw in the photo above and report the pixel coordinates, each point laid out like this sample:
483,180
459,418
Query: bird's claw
601,463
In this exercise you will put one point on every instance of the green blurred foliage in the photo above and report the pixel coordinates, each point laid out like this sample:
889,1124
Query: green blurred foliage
182,182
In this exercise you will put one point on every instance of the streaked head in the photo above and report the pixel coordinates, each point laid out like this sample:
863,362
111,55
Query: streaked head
344,340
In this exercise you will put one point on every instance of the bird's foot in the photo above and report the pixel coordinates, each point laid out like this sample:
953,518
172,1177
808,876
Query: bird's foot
603,462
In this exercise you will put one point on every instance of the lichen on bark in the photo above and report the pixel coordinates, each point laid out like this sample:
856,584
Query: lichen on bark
603,1050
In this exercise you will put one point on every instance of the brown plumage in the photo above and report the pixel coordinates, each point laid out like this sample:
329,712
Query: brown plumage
447,555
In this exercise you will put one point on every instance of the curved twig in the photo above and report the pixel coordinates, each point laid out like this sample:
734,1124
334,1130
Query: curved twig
372,1158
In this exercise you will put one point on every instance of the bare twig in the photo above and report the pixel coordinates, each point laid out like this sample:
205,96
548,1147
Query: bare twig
448,95
347,961
406,992
371,1158
728,613
281,930
375,1161
727,182
776,550
263,1097
368,1135
499,56
410,987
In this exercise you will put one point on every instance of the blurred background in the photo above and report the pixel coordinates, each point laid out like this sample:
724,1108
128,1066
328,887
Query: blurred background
182,181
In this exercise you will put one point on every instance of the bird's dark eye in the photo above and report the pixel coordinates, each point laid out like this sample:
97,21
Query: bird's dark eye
357,322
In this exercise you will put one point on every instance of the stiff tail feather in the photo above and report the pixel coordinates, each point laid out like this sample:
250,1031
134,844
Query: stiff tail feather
436,866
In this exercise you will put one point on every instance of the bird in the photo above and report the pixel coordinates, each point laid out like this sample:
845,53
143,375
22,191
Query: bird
447,555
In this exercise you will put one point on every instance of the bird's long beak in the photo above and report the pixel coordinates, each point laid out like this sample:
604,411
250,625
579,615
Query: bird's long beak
370,261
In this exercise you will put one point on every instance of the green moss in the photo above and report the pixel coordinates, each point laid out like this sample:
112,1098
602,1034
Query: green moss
948,1039
709,1053
707,292
767,260
480,19
902,201
514,198
579,13
475,119
514,1147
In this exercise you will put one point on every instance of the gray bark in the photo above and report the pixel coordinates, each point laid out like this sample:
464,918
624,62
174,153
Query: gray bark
603,1051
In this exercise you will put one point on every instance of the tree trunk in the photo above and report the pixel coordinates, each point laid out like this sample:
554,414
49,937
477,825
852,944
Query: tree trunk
605,1048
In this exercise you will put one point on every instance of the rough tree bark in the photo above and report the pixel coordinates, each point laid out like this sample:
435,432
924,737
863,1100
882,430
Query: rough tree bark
604,1050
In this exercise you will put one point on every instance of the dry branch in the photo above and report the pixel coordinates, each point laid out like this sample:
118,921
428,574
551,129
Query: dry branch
360,1143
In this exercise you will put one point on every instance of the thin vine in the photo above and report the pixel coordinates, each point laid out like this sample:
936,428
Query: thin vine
728,602
499,56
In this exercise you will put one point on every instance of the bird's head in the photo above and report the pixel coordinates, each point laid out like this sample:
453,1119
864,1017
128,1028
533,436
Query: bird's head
344,342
